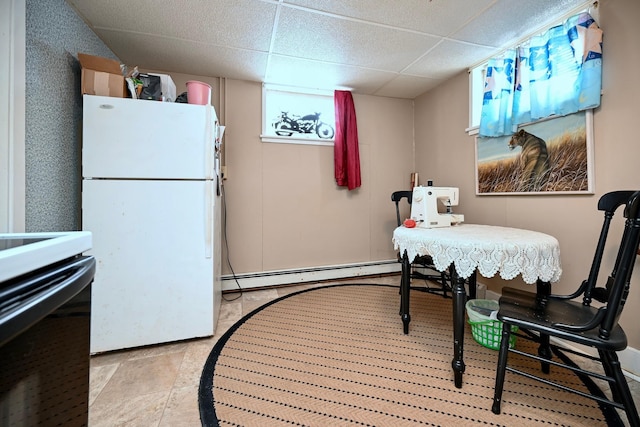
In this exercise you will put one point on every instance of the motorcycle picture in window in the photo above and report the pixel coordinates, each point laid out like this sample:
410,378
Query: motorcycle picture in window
286,125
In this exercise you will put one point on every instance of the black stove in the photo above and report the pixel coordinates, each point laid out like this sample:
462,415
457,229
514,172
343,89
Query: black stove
45,318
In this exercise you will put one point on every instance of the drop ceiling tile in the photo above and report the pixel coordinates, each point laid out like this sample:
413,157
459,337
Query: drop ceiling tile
244,24
319,37
508,21
431,17
368,45
448,58
159,53
313,74
408,87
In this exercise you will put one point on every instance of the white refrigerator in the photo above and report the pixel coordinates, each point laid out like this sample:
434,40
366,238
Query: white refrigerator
150,197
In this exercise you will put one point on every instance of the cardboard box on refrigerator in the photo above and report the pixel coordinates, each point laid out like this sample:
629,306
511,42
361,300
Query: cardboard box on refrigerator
101,76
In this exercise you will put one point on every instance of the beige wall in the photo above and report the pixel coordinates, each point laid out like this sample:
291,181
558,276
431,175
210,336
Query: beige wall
284,209
446,153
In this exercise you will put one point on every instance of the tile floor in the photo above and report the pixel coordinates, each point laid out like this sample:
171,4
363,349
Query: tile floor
158,385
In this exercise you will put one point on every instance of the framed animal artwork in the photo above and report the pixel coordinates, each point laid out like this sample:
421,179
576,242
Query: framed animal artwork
551,156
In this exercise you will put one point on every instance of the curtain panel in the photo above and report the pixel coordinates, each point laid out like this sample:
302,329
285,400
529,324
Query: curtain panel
346,151
556,73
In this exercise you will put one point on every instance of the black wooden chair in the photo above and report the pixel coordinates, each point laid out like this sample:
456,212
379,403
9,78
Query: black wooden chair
422,267
579,322
608,204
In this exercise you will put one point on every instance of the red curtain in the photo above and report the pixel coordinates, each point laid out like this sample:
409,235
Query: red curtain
346,152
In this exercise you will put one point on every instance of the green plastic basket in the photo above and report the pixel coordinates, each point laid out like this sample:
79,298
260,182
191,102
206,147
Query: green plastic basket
486,331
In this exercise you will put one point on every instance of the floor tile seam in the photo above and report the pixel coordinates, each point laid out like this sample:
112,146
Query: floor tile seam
173,391
104,386
175,379
164,408
169,390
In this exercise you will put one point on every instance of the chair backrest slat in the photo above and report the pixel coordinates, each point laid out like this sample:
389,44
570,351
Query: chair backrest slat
625,260
608,203
396,197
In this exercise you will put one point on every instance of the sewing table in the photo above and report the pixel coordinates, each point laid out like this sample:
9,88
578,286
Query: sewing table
466,249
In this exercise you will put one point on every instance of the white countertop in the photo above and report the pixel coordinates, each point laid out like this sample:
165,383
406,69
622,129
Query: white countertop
57,246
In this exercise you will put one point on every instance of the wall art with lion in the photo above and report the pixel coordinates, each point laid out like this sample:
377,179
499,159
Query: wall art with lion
552,156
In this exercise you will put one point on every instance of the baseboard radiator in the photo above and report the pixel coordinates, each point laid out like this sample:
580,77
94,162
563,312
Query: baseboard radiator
306,275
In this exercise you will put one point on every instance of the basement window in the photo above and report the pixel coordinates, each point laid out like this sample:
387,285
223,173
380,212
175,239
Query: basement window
297,116
476,92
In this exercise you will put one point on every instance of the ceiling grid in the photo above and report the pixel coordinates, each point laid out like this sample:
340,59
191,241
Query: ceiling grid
399,49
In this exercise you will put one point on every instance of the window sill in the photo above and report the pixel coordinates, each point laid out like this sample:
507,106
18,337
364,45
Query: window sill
294,140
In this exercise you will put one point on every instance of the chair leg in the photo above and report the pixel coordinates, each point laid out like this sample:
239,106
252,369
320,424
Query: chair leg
443,282
544,351
400,293
473,285
502,368
620,389
610,372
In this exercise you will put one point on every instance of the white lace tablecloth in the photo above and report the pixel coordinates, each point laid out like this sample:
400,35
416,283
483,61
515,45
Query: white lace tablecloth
487,248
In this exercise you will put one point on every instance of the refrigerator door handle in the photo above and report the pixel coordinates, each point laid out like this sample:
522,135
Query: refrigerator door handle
210,143
208,217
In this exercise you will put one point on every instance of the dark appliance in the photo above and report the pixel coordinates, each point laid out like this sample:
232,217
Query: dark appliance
44,335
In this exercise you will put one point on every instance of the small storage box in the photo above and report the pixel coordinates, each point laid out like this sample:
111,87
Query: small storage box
485,328
101,76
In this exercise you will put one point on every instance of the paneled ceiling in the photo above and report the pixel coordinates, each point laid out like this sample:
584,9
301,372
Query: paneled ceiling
395,48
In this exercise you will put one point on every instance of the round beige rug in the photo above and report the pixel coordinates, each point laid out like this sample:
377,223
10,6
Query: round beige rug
337,356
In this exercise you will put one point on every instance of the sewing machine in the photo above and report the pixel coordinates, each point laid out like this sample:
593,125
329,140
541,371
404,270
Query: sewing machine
424,206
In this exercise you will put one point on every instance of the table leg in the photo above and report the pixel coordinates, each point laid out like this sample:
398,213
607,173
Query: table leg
459,301
473,284
405,290
543,289
544,350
